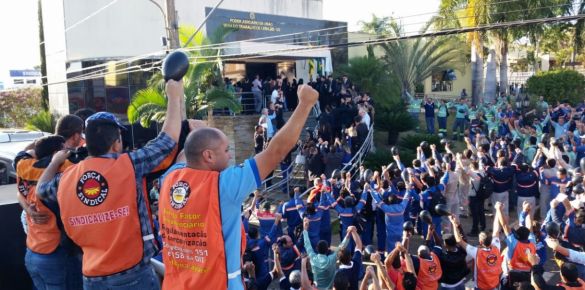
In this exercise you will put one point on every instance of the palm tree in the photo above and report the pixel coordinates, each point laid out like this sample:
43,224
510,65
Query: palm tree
414,60
203,83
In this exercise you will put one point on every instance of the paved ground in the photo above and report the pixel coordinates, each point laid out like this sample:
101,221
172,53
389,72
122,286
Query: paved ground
552,270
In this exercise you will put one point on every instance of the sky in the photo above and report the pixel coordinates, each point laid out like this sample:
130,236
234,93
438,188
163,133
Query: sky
19,28
352,11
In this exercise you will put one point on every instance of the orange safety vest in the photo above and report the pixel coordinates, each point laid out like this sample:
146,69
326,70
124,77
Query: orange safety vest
488,268
519,261
99,210
191,230
45,238
429,273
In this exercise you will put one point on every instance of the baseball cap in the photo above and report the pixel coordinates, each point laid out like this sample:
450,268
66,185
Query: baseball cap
105,116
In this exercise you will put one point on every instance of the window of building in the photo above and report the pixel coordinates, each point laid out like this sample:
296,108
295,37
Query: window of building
442,81
18,81
31,81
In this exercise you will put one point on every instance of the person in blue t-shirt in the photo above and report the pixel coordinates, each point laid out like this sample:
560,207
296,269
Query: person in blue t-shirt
208,149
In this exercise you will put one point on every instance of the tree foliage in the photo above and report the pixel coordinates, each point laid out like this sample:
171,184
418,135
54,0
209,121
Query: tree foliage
19,106
203,83
558,85
43,121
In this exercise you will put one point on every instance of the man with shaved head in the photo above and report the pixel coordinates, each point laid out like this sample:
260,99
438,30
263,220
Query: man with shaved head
200,203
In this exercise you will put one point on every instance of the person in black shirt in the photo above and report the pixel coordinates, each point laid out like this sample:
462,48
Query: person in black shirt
569,275
258,139
350,267
451,256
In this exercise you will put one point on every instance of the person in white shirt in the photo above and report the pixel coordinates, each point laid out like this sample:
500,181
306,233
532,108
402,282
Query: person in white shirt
363,112
257,91
487,258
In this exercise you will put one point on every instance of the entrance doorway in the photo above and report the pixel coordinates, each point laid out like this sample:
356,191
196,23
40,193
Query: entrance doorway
265,70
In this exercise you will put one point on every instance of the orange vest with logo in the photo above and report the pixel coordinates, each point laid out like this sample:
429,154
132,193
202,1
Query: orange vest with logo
98,203
519,260
44,238
190,220
488,268
429,273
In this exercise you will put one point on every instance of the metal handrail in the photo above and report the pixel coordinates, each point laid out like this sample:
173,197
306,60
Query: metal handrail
290,168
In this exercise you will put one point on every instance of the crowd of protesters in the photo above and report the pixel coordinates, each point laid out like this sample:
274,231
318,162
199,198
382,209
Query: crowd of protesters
528,166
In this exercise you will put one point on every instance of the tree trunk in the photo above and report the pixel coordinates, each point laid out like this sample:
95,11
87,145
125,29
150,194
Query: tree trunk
504,67
489,90
210,116
392,137
476,74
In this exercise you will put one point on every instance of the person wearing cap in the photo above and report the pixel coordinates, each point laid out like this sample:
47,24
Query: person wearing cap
102,201
200,203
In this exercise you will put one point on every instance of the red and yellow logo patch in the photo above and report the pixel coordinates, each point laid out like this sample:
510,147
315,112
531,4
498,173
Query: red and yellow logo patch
92,188
491,259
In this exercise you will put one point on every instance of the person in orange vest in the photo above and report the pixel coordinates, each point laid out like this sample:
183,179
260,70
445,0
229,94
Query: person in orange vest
520,242
429,269
487,258
101,199
200,204
50,259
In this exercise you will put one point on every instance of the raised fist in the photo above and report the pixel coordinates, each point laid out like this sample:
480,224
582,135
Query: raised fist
307,95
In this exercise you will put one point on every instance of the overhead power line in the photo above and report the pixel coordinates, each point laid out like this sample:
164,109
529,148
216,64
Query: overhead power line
445,32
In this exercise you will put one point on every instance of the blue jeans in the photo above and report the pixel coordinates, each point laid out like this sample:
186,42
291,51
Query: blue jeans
442,124
47,271
142,278
430,125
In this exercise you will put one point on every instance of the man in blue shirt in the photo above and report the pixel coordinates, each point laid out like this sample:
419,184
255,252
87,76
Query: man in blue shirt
207,149
290,213
502,176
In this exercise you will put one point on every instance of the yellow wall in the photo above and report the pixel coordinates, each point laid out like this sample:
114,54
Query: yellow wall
463,81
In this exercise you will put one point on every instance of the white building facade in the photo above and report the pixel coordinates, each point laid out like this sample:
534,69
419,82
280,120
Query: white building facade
89,36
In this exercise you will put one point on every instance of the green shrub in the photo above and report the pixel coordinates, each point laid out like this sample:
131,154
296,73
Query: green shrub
43,121
558,85
375,160
394,118
411,141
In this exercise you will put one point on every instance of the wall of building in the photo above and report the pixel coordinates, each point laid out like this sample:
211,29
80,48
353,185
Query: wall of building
126,28
240,133
193,12
55,55
463,81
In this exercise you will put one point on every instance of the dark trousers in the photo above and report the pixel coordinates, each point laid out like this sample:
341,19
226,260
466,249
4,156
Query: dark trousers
477,213
430,124
442,125
368,231
381,230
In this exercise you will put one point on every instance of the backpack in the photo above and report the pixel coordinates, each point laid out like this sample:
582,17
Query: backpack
485,188
436,198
